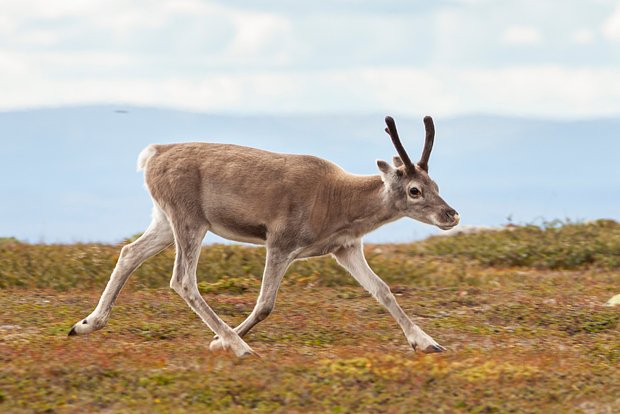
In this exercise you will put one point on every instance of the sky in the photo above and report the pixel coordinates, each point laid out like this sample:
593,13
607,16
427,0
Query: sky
523,88
543,58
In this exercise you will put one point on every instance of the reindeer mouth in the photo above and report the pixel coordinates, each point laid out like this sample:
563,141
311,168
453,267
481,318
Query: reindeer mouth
450,225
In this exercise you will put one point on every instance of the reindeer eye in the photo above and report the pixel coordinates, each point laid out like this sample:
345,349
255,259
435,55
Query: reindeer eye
414,191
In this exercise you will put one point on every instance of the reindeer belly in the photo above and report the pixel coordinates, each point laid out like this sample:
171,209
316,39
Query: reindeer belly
240,232
234,216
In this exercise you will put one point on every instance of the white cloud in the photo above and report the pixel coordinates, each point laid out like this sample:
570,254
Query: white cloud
43,9
213,56
583,36
540,91
521,35
60,65
40,38
257,32
611,26
193,7
6,24
13,68
546,90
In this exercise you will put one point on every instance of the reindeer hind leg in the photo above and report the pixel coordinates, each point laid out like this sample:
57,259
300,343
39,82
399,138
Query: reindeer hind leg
157,237
188,238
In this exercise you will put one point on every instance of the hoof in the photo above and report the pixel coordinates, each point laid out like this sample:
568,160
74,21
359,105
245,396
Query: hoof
241,349
216,345
72,332
432,349
251,353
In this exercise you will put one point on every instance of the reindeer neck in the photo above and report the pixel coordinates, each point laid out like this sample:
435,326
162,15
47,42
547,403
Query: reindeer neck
365,205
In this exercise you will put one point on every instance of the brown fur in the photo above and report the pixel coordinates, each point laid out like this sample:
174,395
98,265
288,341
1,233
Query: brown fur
244,194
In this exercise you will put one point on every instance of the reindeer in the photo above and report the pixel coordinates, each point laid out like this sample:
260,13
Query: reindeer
297,206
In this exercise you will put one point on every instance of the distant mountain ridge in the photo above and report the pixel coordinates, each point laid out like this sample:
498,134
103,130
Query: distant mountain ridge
68,174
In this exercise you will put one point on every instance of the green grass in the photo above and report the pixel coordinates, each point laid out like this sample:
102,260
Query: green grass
568,246
555,245
526,332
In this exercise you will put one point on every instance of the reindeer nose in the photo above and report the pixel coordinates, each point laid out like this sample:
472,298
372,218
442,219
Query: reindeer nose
452,215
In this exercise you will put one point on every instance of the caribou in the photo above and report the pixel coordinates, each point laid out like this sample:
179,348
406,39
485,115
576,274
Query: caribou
297,206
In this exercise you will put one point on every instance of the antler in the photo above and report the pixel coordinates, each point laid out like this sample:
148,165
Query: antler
391,130
428,144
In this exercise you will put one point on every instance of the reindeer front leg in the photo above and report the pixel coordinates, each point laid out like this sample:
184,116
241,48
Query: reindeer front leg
276,263
353,260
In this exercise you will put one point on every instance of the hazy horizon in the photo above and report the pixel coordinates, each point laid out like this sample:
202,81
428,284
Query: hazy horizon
80,183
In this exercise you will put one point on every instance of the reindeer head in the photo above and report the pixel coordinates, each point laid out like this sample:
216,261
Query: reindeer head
409,187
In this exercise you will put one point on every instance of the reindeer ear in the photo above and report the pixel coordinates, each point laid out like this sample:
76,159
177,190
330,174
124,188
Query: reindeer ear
398,162
384,167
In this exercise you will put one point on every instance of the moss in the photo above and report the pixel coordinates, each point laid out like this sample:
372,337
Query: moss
494,371
553,245
355,367
428,263
526,335
230,285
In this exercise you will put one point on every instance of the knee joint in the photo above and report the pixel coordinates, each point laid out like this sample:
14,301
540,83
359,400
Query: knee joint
178,286
264,312
384,294
126,251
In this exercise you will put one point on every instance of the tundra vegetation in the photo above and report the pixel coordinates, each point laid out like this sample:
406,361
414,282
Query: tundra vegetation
520,311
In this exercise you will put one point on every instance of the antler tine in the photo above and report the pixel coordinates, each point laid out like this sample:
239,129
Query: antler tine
428,143
391,130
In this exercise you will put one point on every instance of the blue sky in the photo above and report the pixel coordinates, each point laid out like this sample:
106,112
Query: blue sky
516,57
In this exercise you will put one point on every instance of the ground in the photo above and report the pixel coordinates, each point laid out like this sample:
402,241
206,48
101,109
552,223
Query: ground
520,338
